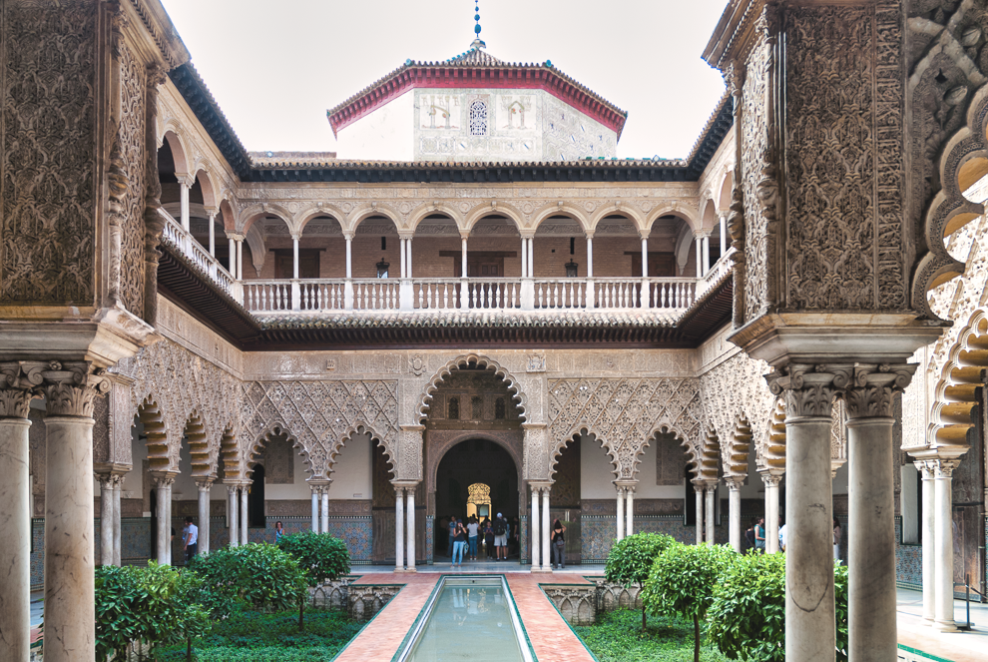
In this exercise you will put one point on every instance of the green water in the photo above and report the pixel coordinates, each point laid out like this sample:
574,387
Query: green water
470,621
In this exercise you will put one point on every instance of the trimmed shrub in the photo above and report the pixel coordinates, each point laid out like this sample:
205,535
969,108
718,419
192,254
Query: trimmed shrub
682,582
323,556
630,560
748,614
257,576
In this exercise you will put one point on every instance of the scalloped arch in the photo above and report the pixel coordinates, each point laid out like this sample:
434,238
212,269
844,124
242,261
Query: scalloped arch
359,428
499,371
578,431
252,454
955,393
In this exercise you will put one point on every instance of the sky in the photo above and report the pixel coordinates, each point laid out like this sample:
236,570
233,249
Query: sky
276,66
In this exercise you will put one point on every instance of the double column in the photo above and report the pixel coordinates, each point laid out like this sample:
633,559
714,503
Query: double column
625,508
705,492
163,482
734,484
110,479
205,488
405,539
771,478
320,496
236,509
541,524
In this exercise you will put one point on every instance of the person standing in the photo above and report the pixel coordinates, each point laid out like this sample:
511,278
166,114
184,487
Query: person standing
836,539
760,536
451,535
190,539
279,531
472,530
749,536
558,545
459,544
782,536
501,538
489,538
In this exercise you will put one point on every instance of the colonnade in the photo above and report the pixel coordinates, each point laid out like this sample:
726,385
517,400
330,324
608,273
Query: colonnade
625,508
405,526
320,496
237,513
541,536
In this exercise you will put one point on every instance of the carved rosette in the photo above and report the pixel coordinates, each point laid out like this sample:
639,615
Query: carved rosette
810,390
70,388
873,391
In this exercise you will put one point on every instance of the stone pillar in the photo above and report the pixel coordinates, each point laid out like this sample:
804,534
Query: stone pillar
706,254
531,257
295,241
399,529
349,256
589,256
232,259
871,500
698,493
723,234
185,183
710,511
463,257
810,609
620,513
163,485
233,508
734,484
15,516
536,529
629,512
205,486
771,479
324,526
408,261
70,612
401,250
244,515
699,255
109,516
212,233
546,524
410,555
645,256
118,513
929,541
315,508
943,471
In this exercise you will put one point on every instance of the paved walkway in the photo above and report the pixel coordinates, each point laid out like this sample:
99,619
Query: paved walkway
953,646
550,635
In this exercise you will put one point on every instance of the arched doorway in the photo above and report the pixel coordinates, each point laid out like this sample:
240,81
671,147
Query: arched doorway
474,462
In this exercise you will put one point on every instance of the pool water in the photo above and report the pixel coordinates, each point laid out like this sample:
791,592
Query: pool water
471,619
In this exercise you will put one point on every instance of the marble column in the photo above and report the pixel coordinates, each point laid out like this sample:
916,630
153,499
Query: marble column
185,183
163,487
645,256
324,526
402,273
232,261
315,508
943,579
295,241
212,233
349,255
629,511
710,511
463,256
929,541
734,484
70,612
244,515
399,529
698,493
536,531
233,508
706,254
871,502
15,518
117,487
204,486
771,479
698,241
620,513
410,554
810,609
723,234
546,524
105,519
589,256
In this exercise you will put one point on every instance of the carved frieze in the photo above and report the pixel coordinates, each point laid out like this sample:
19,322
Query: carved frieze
131,141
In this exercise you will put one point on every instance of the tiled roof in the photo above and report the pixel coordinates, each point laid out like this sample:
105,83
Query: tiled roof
476,57
346,319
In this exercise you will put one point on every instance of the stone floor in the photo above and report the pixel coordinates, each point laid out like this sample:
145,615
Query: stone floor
915,635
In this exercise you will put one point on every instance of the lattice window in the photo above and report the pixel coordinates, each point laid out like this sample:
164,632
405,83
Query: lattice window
478,118
453,409
476,408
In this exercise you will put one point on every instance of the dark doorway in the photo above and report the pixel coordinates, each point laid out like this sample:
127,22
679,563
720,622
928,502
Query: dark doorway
154,521
660,265
470,462
255,500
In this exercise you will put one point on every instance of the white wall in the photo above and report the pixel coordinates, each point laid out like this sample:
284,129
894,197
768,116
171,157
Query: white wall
597,475
385,134
353,474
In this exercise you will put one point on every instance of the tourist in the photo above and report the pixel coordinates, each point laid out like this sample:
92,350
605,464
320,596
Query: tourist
749,536
489,538
782,535
760,536
459,544
515,526
501,538
836,539
279,531
451,535
558,545
472,530
190,539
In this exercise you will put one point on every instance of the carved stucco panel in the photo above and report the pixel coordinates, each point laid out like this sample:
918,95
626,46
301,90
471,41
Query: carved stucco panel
131,140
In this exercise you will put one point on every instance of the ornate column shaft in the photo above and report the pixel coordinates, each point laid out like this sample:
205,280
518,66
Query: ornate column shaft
399,529
710,511
620,513
154,222
16,393
205,486
871,500
926,469
771,481
410,505
69,550
185,183
536,531
810,610
734,484
233,508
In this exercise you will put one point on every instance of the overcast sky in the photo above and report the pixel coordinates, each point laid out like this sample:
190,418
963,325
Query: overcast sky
276,66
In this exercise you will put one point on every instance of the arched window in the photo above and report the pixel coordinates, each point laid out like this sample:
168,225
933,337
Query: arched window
478,118
499,409
453,412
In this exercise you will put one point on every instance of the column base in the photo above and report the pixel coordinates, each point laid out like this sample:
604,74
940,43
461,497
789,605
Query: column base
411,570
945,626
541,570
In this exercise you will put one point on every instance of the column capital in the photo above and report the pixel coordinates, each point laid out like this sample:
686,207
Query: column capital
108,481
872,391
204,484
348,235
771,477
163,479
540,485
107,469
186,180
212,212
589,234
234,236
809,389
944,468
734,482
19,384
925,468
70,387
464,235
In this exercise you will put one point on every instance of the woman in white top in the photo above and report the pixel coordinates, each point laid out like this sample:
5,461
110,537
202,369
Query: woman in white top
472,529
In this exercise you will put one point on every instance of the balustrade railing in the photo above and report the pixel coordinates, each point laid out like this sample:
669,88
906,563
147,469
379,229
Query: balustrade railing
499,293
437,293
375,294
177,236
566,293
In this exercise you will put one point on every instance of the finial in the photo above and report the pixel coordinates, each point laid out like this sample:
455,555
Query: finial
477,41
